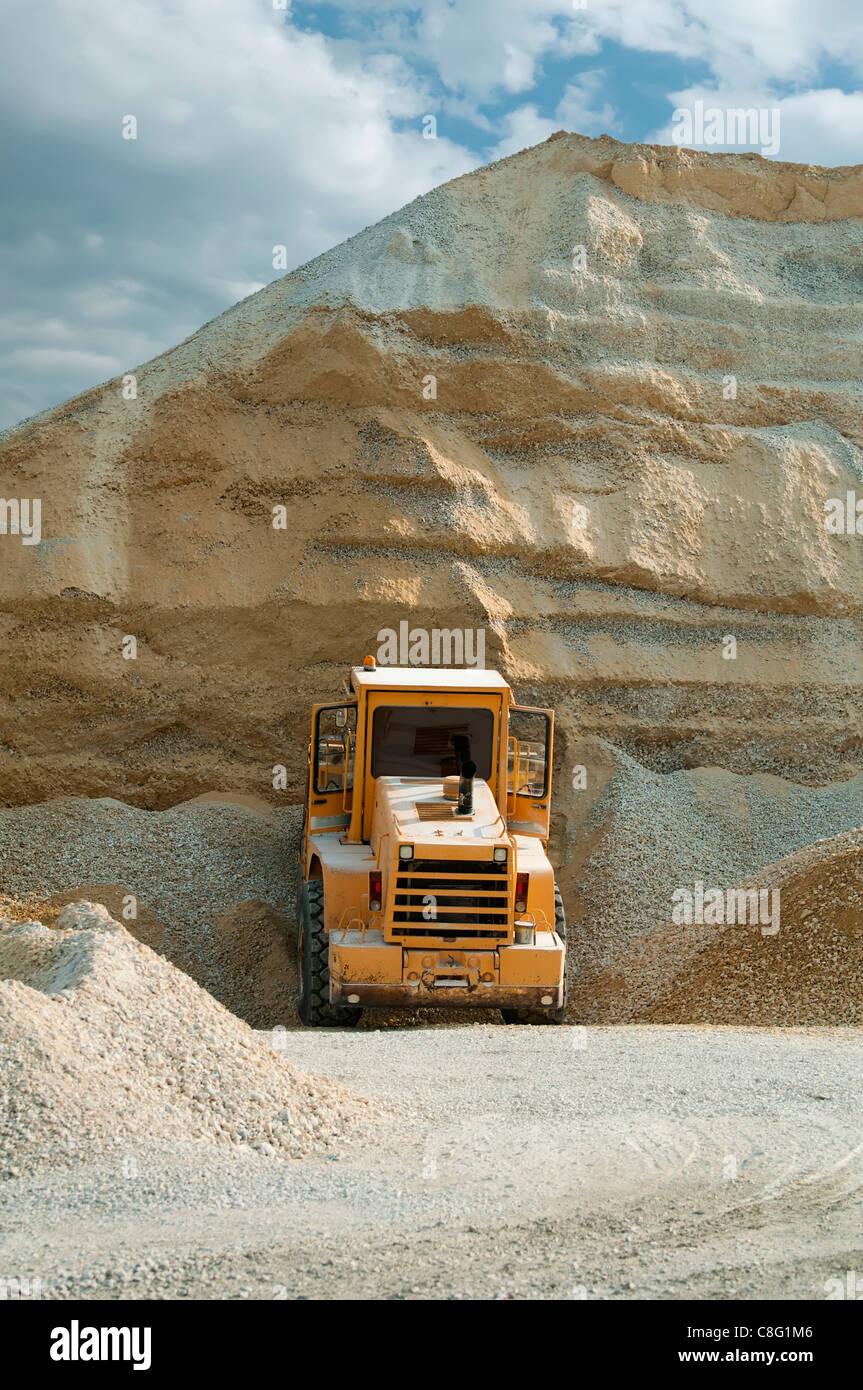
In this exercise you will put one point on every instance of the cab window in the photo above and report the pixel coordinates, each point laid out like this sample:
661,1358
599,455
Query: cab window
428,741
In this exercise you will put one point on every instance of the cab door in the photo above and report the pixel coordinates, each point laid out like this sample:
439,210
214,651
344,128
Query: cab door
331,767
529,754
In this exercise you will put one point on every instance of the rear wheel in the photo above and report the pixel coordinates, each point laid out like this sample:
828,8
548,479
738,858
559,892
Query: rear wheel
313,967
543,1015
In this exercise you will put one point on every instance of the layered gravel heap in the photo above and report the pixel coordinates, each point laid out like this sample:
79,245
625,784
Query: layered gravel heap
804,969
652,833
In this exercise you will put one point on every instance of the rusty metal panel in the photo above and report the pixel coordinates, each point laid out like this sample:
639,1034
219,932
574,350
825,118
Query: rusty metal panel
371,960
533,965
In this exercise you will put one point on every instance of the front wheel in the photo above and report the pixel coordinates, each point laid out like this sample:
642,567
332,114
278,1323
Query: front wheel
542,1015
313,964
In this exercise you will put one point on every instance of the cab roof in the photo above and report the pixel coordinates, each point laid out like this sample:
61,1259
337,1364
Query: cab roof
426,678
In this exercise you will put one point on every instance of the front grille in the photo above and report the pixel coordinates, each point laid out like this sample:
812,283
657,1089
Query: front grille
450,934
471,898
454,868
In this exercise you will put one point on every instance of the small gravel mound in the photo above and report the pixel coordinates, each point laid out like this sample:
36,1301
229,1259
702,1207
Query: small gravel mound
103,1042
652,833
213,882
808,973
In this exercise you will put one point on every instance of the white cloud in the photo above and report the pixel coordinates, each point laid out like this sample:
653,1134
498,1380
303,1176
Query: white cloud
250,134
578,109
475,46
741,41
518,69
523,127
815,127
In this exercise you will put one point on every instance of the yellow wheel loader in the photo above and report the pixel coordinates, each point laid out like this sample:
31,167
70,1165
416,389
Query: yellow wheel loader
424,880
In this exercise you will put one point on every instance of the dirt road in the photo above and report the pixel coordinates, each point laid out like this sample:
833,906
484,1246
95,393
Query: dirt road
608,1163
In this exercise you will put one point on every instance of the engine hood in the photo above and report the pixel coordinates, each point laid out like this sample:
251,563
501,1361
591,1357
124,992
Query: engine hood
415,810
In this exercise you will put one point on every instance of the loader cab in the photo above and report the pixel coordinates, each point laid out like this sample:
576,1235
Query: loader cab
429,735
426,724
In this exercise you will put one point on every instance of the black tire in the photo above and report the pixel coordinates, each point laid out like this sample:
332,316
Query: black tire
298,911
542,1015
313,968
559,914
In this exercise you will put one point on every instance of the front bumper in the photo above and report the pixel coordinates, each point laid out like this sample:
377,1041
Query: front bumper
485,997
366,970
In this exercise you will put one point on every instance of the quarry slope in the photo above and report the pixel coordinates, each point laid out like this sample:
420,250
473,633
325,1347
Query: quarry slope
646,370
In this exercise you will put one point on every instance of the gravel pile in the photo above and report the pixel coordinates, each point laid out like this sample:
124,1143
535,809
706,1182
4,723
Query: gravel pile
653,833
214,884
103,1043
809,972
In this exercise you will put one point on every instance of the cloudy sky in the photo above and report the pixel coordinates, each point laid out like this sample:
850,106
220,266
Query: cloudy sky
266,122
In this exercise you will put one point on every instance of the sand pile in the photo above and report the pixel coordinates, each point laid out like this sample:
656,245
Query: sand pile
104,1044
624,460
808,972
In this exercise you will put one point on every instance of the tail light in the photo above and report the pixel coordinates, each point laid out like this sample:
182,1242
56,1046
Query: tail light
521,882
375,891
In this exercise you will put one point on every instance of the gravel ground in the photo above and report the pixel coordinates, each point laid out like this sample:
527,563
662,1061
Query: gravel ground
582,1162
809,970
612,1163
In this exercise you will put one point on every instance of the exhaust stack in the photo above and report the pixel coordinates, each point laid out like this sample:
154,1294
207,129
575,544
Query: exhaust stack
465,788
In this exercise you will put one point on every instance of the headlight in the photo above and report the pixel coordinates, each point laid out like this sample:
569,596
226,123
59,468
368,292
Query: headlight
500,854
406,851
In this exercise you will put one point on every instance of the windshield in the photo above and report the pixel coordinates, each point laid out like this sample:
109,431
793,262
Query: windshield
423,741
